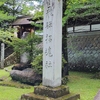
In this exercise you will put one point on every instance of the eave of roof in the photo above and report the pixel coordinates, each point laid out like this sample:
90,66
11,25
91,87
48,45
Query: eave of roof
21,21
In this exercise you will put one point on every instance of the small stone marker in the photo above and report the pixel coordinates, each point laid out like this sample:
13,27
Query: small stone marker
24,58
97,97
52,43
2,54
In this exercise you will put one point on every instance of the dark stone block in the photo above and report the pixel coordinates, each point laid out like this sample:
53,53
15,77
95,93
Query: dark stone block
32,96
28,76
21,66
51,92
1,79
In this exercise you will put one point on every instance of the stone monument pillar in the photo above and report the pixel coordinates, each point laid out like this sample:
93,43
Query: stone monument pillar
51,88
52,43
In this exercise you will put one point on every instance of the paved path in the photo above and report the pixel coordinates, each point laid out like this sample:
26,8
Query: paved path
97,97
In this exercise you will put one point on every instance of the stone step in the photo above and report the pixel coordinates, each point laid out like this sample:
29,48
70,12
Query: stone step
70,96
32,96
51,92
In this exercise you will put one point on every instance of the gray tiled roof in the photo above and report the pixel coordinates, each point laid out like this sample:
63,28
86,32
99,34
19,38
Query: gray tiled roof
22,21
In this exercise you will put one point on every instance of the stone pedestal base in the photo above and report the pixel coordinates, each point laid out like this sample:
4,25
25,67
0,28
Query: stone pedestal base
47,93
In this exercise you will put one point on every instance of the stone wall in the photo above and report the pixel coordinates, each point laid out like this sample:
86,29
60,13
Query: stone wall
8,50
10,60
84,51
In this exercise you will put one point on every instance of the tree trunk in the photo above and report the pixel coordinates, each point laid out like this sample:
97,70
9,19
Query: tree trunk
64,43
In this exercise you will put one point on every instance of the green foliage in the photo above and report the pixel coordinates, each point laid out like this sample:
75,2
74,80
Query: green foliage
32,8
38,18
10,8
29,44
65,80
63,61
5,17
71,6
2,2
5,35
80,8
37,63
38,14
4,14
